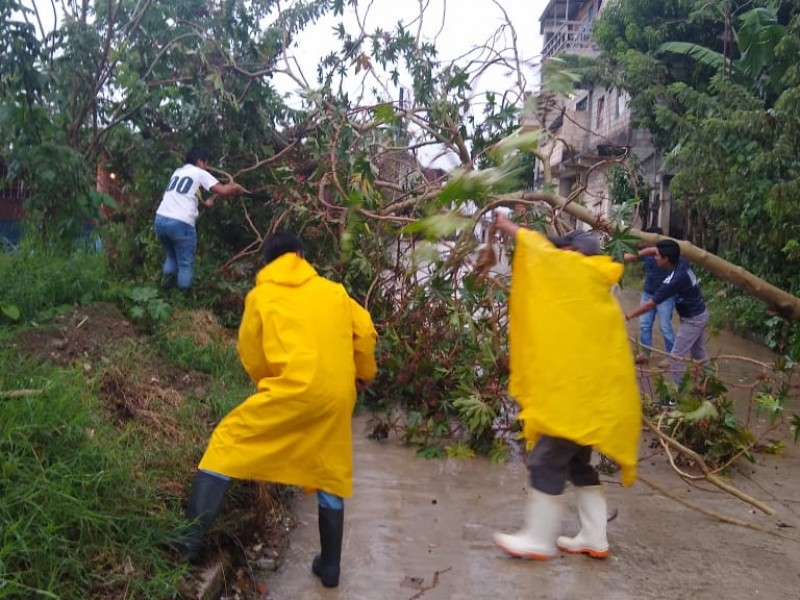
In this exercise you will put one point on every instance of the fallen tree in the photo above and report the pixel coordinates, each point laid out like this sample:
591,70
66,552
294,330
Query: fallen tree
781,302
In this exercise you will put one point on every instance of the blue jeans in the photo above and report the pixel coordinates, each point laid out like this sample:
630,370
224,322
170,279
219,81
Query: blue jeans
179,240
324,499
664,311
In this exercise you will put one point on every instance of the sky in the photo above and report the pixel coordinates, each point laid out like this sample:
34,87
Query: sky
457,28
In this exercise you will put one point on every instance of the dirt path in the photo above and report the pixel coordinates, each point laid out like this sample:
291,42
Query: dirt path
418,529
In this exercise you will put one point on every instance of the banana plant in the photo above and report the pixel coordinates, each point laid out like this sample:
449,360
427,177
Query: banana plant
759,65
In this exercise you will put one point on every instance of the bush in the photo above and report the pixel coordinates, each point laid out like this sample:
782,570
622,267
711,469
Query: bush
79,520
37,278
733,310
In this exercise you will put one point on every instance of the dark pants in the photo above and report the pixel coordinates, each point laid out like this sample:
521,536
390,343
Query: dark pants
554,460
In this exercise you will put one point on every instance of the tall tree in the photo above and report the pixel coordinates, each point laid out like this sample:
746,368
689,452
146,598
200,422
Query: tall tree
716,93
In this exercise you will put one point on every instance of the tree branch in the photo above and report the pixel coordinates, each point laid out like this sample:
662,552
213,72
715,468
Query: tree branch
781,302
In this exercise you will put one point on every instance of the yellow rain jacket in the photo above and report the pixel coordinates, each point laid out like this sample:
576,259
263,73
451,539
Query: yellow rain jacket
571,365
304,342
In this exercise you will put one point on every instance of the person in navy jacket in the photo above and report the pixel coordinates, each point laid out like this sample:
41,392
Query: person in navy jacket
653,277
682,285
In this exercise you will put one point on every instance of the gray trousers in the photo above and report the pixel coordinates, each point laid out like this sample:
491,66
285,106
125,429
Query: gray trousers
689,343
555,460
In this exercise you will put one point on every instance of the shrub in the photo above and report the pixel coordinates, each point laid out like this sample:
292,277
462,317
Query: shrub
79,520
38,278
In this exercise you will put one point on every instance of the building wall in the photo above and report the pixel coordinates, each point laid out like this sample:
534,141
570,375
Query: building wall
610,117
567,26
596,124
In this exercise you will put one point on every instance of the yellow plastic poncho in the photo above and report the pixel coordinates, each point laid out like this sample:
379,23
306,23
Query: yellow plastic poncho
304,342
571,365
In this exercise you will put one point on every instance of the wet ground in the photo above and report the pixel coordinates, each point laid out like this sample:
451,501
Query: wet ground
422,529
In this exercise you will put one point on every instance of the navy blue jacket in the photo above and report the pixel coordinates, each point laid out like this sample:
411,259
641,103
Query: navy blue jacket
653,274
682,283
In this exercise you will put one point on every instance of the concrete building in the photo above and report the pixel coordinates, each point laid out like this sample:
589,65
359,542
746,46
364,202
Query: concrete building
593,126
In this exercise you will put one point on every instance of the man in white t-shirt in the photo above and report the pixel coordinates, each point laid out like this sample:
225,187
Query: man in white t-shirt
177,214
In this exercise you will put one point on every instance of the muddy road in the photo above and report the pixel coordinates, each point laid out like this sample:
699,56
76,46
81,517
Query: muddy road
418,529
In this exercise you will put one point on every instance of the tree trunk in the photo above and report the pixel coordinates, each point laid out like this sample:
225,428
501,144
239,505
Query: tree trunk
782,303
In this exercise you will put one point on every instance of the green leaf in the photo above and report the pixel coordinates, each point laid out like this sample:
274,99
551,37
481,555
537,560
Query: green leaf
557,78
473,185
143,294
476,413
517,141
795,427
701,54
384,113
159,310
216,80
10,311
499,452
430,452
459,450
460,186
770,404
439,225
706,410
460,81
791,249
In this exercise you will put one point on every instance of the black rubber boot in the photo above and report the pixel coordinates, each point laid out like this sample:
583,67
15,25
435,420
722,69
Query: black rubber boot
205,501
331,529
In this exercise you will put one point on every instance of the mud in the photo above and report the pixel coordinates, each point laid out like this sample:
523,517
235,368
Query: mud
99,337
422,529
85,334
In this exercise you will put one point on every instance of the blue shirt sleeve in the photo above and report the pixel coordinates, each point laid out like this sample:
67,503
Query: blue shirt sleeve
668,288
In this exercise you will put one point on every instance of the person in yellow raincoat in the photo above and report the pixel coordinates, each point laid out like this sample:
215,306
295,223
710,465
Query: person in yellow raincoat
572,373
307,347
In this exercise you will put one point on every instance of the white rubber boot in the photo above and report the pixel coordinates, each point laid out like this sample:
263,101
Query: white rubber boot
537,538
592,511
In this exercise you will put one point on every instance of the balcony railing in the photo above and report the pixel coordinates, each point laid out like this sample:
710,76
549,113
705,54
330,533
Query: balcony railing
570,36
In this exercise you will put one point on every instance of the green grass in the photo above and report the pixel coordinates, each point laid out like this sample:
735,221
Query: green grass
80,518
230,384
84,509
633,276
215,359
38,279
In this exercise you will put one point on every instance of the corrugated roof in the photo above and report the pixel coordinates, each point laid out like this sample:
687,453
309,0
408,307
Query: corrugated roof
558,8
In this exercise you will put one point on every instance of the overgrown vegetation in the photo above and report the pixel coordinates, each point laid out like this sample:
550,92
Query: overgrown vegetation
446,365
706,419
81,517
61,278
101,430
716,85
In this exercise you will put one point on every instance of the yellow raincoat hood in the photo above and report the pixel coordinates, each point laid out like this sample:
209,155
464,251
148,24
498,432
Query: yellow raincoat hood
572,369
304,342
289,269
